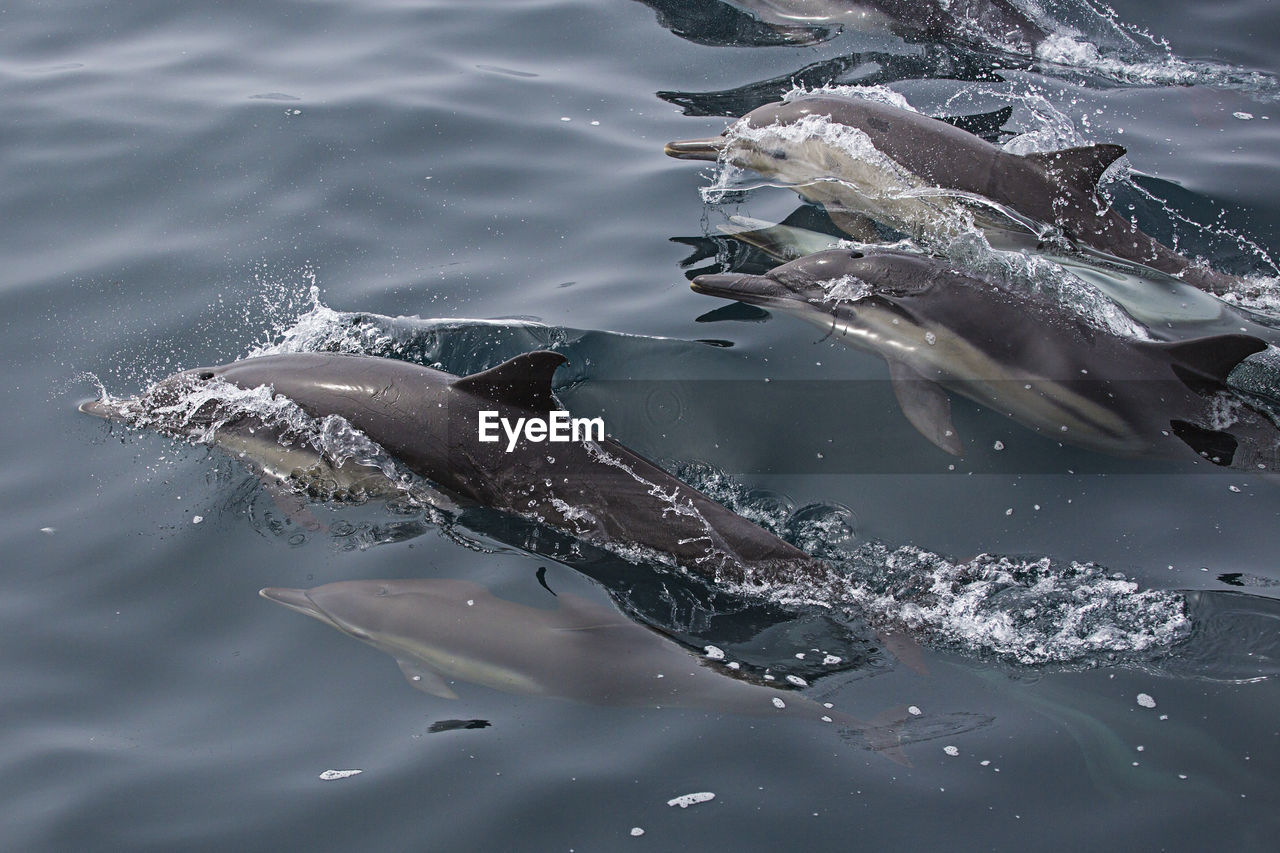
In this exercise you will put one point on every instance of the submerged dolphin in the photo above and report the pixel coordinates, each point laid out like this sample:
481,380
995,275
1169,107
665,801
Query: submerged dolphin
861,158
940,329
444,630
996,23
429,421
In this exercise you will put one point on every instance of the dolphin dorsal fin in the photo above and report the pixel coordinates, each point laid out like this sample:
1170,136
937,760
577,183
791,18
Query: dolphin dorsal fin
523,381
984,125
1212,358
1081,167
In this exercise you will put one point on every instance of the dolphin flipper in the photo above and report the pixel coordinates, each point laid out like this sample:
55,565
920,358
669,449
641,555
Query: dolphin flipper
926,405
424,679
857,225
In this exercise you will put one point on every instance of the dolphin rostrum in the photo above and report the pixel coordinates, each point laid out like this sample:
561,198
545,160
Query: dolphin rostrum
862,158
940,329
430,420
440,631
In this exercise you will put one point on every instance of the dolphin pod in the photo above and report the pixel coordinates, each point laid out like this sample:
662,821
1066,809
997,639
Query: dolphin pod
428,420
939,329
862,158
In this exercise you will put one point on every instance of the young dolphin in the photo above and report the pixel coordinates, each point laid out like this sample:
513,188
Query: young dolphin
441,630
861,158
940,329
429,421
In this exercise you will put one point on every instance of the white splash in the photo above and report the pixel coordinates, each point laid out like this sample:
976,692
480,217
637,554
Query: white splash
686,800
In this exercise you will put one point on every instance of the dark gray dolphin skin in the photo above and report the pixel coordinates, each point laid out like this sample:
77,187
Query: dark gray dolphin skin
941,330
428,420
918,154
441,630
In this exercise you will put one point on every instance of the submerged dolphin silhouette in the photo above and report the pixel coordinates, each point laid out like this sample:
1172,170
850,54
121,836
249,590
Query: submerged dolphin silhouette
940,329
989,23
428,420
440,631
992,23
861,158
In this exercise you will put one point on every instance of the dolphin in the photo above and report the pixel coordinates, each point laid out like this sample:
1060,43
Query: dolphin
861,158
864,68
992,23
1166,306
441,631
428,420
719,24
942,330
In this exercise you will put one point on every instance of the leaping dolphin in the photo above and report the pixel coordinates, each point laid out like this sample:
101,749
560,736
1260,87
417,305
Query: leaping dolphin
861,158
441,630
940,329
428,420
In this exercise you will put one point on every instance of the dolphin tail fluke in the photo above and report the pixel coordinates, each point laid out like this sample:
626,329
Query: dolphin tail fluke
903,647
884,735
293,505
889,731
1211,359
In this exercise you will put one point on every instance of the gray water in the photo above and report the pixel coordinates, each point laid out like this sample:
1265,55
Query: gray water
176,178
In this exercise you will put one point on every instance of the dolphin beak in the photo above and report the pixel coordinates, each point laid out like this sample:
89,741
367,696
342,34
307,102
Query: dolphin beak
294,599
753,289
696,149
101,409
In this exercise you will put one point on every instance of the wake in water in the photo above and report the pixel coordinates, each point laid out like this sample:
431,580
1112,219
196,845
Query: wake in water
1090,41
1028,611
